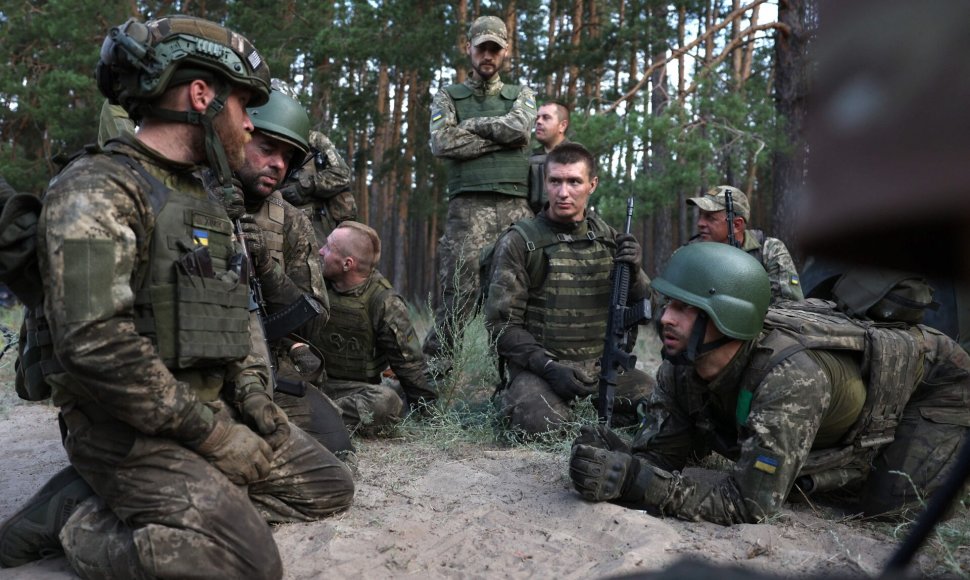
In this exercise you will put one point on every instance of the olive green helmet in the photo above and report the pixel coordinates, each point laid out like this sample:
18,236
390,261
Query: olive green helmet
729,285
139,61
283,118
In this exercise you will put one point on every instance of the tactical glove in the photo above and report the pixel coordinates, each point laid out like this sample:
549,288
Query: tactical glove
237,452
306,361
265,417
255,244
628,250
602,437
602,475
565,381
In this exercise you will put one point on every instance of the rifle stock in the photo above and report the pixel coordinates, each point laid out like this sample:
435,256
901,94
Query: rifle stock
621,318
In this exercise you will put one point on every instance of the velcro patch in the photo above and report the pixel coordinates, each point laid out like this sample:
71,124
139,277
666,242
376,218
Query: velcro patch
767,464
793,280
530,103
437,117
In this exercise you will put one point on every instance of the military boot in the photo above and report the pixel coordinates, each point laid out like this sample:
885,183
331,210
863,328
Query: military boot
31,533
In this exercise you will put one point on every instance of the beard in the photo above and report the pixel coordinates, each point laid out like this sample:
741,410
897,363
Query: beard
233,138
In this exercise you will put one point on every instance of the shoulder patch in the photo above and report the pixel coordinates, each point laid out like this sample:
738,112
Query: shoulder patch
530,103
436,116
793,279
767,464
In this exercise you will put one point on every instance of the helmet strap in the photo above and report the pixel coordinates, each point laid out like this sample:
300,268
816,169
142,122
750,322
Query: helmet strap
696,345
215,152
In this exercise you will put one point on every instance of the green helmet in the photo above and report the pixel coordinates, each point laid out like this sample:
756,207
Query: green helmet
283,118
729,285
139,61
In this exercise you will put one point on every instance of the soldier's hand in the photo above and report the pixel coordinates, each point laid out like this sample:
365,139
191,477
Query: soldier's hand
628,250
306,361
566,381
298,188
602,437
233,448
601,475
265,417
255,243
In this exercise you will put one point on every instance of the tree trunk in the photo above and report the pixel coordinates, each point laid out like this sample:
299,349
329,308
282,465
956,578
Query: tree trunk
791,86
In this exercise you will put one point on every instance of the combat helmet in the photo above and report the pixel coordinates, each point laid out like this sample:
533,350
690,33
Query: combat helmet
139,61
283,118
730,287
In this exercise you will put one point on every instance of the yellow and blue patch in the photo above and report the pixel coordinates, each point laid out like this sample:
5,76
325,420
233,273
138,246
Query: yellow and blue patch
200,237
793,280
437,117
767,464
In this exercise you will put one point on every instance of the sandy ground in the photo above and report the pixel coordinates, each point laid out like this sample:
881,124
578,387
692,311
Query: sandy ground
477,511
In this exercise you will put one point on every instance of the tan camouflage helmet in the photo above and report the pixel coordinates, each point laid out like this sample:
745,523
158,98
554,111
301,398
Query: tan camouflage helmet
139,61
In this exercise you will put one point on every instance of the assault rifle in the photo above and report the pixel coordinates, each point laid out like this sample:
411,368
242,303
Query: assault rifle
618,324
279,324
729,206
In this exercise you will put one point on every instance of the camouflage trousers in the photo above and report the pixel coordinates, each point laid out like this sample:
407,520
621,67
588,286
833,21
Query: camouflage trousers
161,510
365,406
530,407
935,423
317,416
473,222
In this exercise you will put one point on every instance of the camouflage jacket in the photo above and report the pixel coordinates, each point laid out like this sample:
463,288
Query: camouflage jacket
801,407
508,294
100,204
473,138
774,256
396,339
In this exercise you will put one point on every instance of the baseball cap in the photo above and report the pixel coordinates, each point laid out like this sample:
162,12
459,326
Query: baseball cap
488,29
714,200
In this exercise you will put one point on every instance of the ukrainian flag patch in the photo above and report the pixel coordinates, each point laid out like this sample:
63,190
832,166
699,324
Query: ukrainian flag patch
767,464
530,103
793,280
437,117
200,237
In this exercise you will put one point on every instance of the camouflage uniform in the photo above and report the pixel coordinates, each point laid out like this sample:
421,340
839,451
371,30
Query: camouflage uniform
528,403
798,418
292,248
132,420
321,188
774,256
367,400
475,218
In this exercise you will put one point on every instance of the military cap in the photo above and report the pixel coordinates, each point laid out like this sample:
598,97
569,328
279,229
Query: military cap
488,29
714,200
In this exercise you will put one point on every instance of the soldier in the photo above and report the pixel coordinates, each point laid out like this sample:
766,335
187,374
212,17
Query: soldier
552,121
798,395
481,129
162,396
320,184
549,296
369,330
280,134
712,226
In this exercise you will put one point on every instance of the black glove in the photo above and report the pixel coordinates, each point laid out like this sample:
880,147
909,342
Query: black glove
265,417
628,250
602,437
255,244
307,363
600,474
565,381
298,187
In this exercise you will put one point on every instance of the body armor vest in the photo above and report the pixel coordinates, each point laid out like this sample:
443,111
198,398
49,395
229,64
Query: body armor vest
192,308
567,309
270,220
503,171
348,343
892,363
